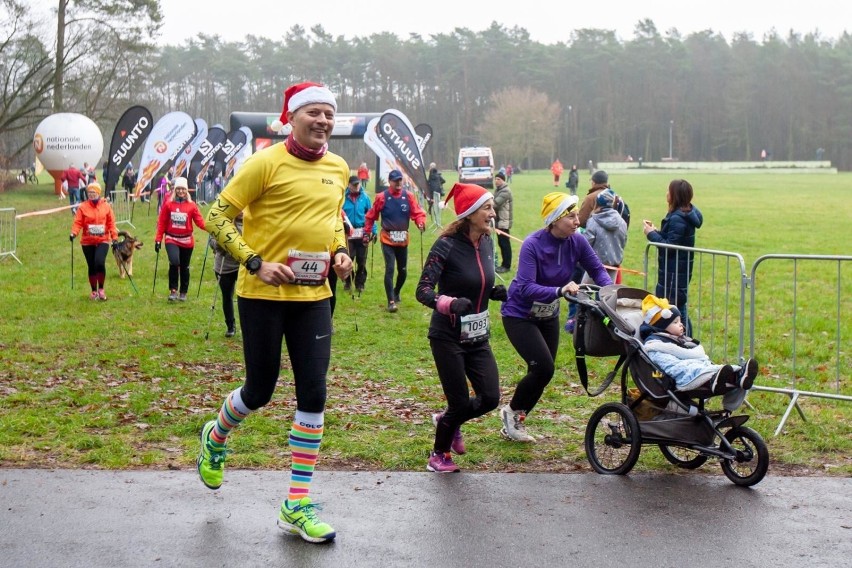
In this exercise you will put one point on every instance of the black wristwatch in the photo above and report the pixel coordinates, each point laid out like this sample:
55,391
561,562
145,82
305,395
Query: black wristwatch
253,264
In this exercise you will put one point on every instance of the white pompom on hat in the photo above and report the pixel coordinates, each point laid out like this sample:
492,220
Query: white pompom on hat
467,198
301,94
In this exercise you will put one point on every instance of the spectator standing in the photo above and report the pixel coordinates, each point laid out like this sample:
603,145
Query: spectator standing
457,282
397,207
363,175
176,223
292,238
74,179
94,219
606,231
573,180
509,171
503,208
436,192
674,267
531,314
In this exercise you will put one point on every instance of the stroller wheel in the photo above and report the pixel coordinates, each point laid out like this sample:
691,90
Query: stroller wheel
752,457
613,439
682,457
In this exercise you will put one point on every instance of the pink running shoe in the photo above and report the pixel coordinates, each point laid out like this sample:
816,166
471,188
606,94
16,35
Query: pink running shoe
458,442
94,295
442,463
102,294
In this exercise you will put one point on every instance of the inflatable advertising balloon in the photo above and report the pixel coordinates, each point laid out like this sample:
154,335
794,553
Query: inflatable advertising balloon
65,139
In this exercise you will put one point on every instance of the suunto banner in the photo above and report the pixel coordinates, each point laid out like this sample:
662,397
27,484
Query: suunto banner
130,133
182,161
167,139
226,157
204,156
395,133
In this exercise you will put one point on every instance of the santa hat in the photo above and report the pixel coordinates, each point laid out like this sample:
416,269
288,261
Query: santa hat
658,312
467,198
297,96
555,204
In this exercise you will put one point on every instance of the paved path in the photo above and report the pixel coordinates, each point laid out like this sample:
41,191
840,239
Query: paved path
163,519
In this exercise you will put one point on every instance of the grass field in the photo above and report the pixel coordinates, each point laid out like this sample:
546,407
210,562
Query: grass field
128,383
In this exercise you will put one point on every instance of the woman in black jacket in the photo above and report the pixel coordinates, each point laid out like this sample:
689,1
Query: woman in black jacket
674,267
457,283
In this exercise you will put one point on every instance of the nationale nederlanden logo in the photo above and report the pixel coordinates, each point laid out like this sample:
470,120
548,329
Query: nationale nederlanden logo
161,147
38,143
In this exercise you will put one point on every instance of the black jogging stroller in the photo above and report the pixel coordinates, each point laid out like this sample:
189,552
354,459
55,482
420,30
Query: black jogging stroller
654,413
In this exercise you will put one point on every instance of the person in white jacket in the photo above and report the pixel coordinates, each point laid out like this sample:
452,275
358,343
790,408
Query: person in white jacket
683,358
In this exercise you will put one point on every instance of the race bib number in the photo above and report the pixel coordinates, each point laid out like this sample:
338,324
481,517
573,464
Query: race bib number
178,220
475,327
398,236
357,233
97,230
540,310
309,268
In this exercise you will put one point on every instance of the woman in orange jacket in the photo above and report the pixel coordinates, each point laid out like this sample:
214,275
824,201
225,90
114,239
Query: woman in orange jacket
94,218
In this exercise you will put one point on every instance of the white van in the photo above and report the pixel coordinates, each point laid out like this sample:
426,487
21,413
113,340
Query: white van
476,165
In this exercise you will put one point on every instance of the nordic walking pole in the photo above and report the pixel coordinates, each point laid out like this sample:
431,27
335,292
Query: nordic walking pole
72,263
203,266
212,309
156,264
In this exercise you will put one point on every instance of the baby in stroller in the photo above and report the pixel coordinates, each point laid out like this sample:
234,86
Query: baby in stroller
684,360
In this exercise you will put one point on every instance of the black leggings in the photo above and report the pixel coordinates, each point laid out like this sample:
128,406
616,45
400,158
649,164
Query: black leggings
96,261
179,258
536,341
400,256
306,328
456,363
227,283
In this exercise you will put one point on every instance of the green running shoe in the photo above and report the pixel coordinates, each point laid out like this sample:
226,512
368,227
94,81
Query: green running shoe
302,520
210,462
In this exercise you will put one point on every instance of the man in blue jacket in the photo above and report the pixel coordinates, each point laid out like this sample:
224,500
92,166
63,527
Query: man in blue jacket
356,206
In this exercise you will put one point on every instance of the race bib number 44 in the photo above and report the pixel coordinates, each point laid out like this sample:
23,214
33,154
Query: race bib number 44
309,268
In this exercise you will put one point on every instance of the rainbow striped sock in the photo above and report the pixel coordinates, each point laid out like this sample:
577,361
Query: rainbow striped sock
305,438
233,412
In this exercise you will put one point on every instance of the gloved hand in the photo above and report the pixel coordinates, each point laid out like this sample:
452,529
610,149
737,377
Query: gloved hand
499,293
157,247
461,306
71,238
421,227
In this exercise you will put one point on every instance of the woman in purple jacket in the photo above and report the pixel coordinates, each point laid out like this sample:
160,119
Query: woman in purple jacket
531,314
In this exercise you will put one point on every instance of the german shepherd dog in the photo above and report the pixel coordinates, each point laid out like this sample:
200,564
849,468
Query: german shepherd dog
123,253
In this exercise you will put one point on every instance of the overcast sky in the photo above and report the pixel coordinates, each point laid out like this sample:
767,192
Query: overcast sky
234,19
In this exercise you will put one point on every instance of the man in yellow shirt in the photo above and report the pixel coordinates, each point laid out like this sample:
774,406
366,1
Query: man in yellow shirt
291,195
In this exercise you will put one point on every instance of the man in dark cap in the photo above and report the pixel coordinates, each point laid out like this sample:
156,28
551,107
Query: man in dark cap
600,182
397,207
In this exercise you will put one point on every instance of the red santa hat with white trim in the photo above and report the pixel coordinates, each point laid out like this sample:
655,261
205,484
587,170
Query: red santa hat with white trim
299,95
467,198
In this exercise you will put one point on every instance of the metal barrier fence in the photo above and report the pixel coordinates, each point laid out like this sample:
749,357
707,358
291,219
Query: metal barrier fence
717,295
9,234
812,299
122,207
